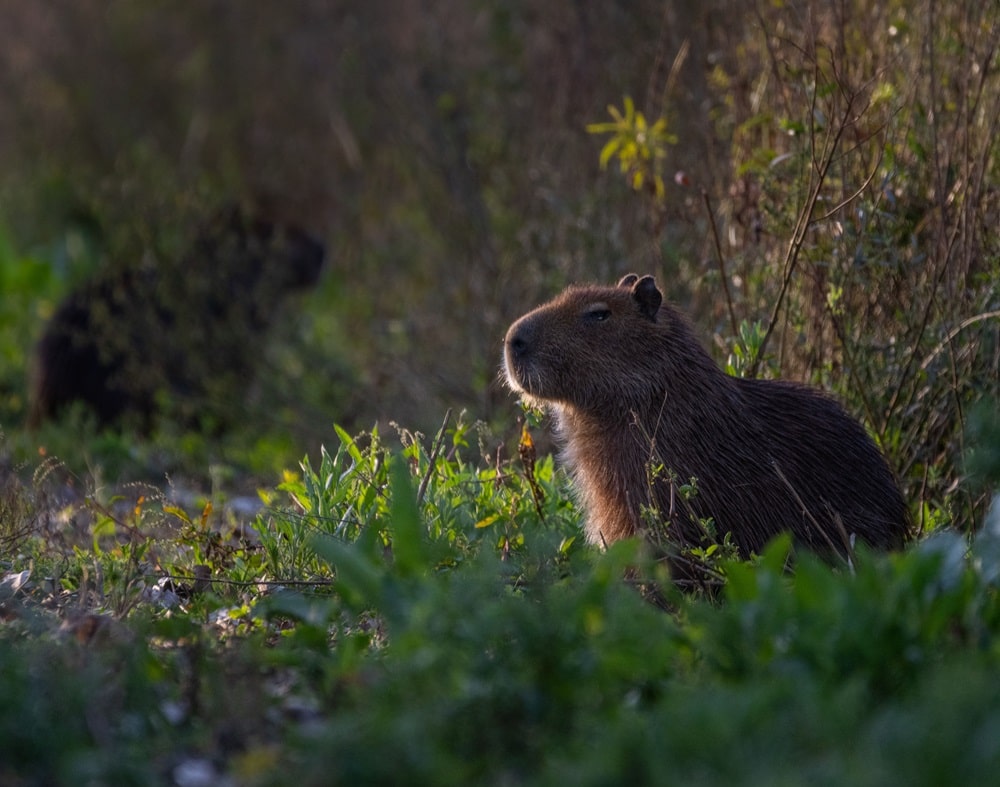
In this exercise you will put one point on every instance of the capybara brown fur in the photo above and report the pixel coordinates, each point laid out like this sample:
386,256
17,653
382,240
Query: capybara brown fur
640,407
185,334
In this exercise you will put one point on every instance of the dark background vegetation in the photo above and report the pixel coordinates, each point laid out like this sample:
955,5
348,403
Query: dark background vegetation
846,153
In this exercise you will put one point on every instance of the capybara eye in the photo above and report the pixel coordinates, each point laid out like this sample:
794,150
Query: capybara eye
597,313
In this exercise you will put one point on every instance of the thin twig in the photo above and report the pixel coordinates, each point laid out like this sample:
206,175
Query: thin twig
805,220
435,451
845,202
722,264
953,333
820,529
247,583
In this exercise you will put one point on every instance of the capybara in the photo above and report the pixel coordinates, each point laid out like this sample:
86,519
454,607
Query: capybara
185,334
641,408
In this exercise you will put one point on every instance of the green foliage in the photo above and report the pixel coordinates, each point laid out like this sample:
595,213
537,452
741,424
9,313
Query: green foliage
17,516
983,461
30,285
746,349
425,618
57,696
639,147
568,678
352,493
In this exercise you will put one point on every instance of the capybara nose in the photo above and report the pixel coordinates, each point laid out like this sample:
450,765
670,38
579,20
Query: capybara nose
518,344
519,339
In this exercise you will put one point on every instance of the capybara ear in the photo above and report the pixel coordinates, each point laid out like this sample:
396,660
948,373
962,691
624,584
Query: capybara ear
628,280
647,296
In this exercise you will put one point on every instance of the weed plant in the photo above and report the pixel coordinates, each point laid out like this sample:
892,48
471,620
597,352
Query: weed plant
413,615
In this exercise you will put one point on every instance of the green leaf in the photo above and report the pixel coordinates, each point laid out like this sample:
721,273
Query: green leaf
487,521
348,442
601,128
407,531
358,578
104,526
629,110
609,150
775,556
180,513
741,581
314,611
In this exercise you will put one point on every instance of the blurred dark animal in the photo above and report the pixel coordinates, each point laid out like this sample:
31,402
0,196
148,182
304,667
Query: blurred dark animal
184,336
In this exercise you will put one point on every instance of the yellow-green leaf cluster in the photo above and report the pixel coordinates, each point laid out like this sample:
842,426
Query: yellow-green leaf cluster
639,146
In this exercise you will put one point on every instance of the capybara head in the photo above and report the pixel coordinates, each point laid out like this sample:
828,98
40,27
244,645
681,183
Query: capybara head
253,251
591,347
